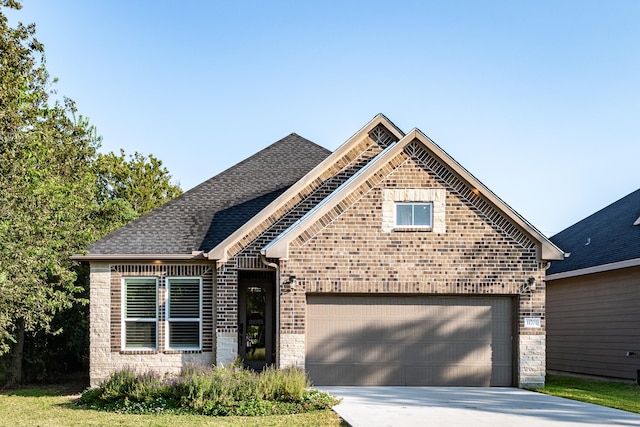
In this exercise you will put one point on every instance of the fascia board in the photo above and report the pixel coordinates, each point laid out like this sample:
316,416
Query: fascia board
279,247
136,257
595,269
549,251
220,252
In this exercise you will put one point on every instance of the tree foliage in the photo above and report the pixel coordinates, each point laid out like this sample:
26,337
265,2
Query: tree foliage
45,181
141,181
57,194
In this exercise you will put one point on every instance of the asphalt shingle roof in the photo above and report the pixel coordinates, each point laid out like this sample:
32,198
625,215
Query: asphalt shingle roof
208,213
605,237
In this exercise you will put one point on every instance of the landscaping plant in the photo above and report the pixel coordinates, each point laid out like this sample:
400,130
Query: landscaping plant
207,390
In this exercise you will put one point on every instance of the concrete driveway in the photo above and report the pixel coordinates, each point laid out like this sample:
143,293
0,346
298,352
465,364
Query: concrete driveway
468,407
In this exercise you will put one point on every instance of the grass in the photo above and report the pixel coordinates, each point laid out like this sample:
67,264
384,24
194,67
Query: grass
619,395
55,406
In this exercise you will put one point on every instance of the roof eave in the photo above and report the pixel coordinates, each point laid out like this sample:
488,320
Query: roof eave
594,269
548,252
278,248
139,257
221,251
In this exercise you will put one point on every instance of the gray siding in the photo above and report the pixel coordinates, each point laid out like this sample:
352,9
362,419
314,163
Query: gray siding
592,322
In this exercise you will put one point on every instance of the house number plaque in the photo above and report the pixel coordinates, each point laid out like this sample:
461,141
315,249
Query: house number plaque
532,322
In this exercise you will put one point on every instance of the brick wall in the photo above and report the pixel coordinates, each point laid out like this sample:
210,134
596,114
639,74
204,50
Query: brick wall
106,354
472,249
477,251
245,254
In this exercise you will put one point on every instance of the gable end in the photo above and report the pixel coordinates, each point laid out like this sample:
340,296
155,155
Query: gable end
418,151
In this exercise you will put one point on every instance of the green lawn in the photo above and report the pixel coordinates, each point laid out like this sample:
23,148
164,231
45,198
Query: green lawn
618,395
54,406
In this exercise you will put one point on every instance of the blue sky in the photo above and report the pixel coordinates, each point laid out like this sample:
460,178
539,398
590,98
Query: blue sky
540,100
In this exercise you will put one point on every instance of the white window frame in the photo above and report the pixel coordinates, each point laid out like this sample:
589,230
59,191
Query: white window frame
413,204
170,320
125,319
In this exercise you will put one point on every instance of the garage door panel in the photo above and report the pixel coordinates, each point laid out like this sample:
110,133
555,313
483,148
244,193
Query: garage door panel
341,351
393,340
362,375
443,352
450,376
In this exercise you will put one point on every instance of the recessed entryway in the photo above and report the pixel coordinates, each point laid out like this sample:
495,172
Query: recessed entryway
256,318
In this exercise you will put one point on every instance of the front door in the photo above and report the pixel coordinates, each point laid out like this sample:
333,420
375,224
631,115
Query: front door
256,318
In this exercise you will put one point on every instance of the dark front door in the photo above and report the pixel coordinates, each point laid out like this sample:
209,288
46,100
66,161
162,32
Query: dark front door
256,318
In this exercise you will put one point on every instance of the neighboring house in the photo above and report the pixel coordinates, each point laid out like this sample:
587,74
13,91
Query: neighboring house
593,297
384,262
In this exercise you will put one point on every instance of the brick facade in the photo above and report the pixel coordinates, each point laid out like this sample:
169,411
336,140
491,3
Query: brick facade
245,253
356,253
473,248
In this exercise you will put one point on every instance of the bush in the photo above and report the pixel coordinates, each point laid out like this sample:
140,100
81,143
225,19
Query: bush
286,385
209,390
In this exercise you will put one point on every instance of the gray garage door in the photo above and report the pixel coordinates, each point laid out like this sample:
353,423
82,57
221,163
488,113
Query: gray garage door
412,340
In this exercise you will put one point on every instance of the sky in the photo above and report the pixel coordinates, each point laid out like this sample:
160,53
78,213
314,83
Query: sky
539,100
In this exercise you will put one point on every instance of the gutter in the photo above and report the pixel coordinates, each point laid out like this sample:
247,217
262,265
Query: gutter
595,269
196,255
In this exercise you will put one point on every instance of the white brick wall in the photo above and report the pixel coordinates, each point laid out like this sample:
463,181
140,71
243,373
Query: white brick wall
532,360
292,350
226,348
102,361
100,321
162,363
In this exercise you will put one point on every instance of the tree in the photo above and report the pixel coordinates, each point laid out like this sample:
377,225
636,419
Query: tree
141,181
57,195
46,153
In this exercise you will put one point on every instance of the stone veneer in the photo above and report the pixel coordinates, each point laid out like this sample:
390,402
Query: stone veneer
103,358
532,360
292,350
438,197
227,348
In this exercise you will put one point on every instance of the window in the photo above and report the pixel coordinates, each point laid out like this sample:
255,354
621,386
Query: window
184,313
414,215
140,314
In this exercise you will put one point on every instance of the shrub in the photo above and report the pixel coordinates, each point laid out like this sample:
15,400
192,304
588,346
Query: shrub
120,384
209,390
286,385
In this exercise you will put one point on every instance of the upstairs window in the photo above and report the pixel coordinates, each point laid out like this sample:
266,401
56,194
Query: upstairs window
140,314
184,313
414,215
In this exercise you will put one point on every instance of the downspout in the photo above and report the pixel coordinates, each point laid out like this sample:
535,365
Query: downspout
275,266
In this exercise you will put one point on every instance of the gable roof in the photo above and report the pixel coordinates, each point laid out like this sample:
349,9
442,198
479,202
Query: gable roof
278,248
214,217
205,215
607,239
221,251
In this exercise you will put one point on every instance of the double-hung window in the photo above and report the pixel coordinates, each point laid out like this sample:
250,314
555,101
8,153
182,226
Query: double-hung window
184,313
418,215
140,313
